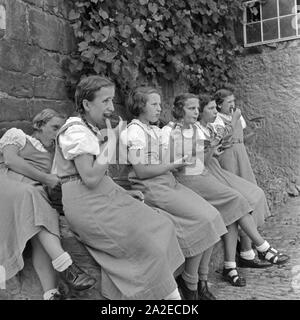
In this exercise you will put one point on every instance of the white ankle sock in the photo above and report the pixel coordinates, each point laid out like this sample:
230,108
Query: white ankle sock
229,264
263,247
173,295
48,294
248,255
62,262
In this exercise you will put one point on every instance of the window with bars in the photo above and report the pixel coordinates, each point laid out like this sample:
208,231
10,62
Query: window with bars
267,21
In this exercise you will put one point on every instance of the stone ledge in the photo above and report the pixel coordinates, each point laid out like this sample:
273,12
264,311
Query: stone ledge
26,285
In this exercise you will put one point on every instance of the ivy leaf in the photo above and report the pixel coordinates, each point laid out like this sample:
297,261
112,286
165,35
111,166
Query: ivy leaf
158,17
103,14
89,55
105,32
140,28
83,46
143,2
125,32
161,2
153,7
116,67
106,55
74,15
215,17
99,66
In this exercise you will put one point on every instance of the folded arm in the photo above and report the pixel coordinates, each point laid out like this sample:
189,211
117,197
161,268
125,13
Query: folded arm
16,163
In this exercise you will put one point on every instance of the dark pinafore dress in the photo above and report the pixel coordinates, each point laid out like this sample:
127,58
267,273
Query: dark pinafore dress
198,224
24,209
135,246
250,191
230,203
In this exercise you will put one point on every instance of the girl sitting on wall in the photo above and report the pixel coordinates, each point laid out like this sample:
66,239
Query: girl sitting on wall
198,224
236,199
26,213
235,159
135,245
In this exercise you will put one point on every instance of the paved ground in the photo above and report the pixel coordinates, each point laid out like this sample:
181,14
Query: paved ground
277,282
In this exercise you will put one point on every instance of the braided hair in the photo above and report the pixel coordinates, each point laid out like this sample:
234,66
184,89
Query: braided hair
85,90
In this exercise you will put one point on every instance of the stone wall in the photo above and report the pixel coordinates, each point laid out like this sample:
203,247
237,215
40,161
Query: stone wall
268,84
32,47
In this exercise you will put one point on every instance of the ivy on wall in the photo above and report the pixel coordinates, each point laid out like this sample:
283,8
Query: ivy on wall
155,39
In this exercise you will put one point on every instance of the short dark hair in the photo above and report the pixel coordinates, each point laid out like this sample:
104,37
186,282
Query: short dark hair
138,97
204,100
179,103
86,89
221,94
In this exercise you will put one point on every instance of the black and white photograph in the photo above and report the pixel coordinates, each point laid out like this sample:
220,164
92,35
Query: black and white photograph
149,151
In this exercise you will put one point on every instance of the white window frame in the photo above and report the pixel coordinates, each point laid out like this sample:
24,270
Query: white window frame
245,23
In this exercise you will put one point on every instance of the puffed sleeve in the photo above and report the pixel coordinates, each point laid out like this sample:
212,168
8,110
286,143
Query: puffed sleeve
13,136
78,140
135,138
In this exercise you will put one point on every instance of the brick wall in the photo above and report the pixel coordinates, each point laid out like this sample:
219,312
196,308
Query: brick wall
36,40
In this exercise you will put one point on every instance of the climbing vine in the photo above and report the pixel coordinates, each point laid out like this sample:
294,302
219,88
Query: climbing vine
155,39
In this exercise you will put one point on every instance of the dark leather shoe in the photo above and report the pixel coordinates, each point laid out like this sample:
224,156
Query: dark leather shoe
203,292
187,294
77,278
254,263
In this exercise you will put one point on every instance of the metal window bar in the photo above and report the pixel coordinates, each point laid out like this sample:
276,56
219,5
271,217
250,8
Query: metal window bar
245,24
278,20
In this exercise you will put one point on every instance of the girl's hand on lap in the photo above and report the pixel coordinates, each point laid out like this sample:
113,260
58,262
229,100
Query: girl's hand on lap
52,181
181,162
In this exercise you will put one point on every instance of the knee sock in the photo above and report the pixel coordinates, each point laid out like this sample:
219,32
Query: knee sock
62,262
173,295
48,294
248,255
204,264
190,280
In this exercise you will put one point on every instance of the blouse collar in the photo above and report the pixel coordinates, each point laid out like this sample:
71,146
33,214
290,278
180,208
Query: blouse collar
204,129
94,128
149,128
226,117
36,143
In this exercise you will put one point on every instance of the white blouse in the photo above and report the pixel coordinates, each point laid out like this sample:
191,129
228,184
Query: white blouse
198,167
78,140
221,116
18,138
135,135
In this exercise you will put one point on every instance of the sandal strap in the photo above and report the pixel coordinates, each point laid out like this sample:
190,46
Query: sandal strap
275,254
235,277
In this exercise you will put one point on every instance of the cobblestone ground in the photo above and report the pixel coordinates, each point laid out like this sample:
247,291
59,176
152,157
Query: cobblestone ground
282,230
